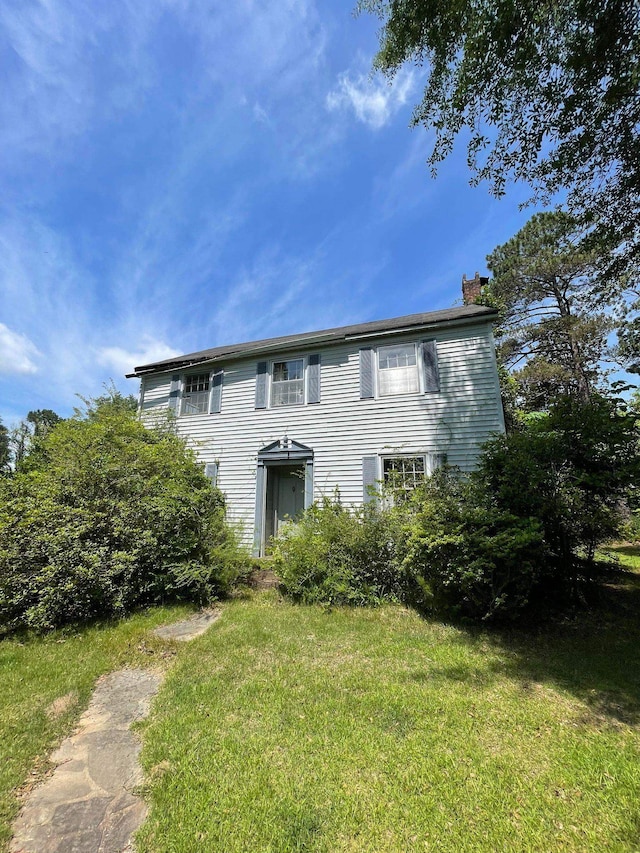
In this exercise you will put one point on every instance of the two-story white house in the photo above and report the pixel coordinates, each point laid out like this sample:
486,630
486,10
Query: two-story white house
281,422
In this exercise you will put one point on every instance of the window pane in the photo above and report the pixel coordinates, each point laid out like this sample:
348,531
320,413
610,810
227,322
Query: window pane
195,399
280,371
295,369
287,383
196,403
400,355
400,380
196,382
404,473
287,393
284,371
397,370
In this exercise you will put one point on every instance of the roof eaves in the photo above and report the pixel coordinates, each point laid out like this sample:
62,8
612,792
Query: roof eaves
399,330
305,341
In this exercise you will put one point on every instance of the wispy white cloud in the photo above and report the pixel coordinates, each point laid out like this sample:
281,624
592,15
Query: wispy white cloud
17,353
374,100
58,84
77,327
281,294
124,360
260,114
273,285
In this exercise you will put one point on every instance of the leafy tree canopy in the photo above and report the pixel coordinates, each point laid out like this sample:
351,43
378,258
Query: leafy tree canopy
550,334
549,92
26,437
111,400
42,421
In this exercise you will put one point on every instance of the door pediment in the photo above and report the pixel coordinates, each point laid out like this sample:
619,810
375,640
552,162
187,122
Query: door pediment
284,449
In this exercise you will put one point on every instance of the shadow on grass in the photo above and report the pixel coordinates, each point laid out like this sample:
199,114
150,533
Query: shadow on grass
632,551
595,654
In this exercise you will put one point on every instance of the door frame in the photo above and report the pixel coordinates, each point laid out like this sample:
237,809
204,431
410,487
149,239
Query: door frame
283,452
276,510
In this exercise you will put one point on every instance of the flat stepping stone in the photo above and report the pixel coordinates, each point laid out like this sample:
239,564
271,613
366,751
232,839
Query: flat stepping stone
88,804
189,628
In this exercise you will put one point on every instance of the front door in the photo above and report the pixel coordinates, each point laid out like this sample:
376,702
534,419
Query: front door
285,496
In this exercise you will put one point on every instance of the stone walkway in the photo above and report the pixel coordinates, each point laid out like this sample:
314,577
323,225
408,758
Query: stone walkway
188,628
87,805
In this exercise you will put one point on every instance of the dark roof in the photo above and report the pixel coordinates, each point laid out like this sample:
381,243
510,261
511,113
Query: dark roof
462,314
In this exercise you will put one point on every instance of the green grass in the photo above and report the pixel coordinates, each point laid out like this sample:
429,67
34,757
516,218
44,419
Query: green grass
45,684
629,555
289,728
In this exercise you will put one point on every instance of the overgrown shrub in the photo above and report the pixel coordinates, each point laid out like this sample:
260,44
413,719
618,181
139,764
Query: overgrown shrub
527,522
572,470
523,526
468,557
340,555
108,515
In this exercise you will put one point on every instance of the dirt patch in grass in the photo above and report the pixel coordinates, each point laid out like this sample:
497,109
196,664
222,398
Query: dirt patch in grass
62,705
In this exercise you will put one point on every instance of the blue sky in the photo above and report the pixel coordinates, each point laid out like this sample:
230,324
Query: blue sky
177,175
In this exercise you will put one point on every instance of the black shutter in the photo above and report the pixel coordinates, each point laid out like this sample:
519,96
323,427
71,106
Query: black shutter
313,379
174,394
430,367
261,385
367,385
215,401
369,477
211,471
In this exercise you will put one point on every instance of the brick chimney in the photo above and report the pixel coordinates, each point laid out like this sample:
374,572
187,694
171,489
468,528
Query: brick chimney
472,287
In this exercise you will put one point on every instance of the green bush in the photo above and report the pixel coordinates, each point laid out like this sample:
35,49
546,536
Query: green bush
572,470
338,555
469,558
445,550
106,516
526,524
523,527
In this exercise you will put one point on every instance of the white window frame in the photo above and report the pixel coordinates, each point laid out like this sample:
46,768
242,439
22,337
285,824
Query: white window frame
183,386
406,455
378,370
272,364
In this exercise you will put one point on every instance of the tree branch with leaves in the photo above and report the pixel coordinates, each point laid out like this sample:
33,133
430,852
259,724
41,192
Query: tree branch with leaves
553,329
549,92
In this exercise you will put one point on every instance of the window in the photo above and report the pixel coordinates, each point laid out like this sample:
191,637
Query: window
403,473
195,397
287,383
397,370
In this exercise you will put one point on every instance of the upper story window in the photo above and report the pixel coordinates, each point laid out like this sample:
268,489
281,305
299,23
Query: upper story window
287,383
195,396
398,370
403,368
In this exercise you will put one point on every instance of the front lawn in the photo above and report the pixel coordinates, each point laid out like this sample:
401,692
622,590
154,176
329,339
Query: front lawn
289,728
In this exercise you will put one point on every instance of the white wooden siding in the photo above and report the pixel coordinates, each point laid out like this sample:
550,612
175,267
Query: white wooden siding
342,428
